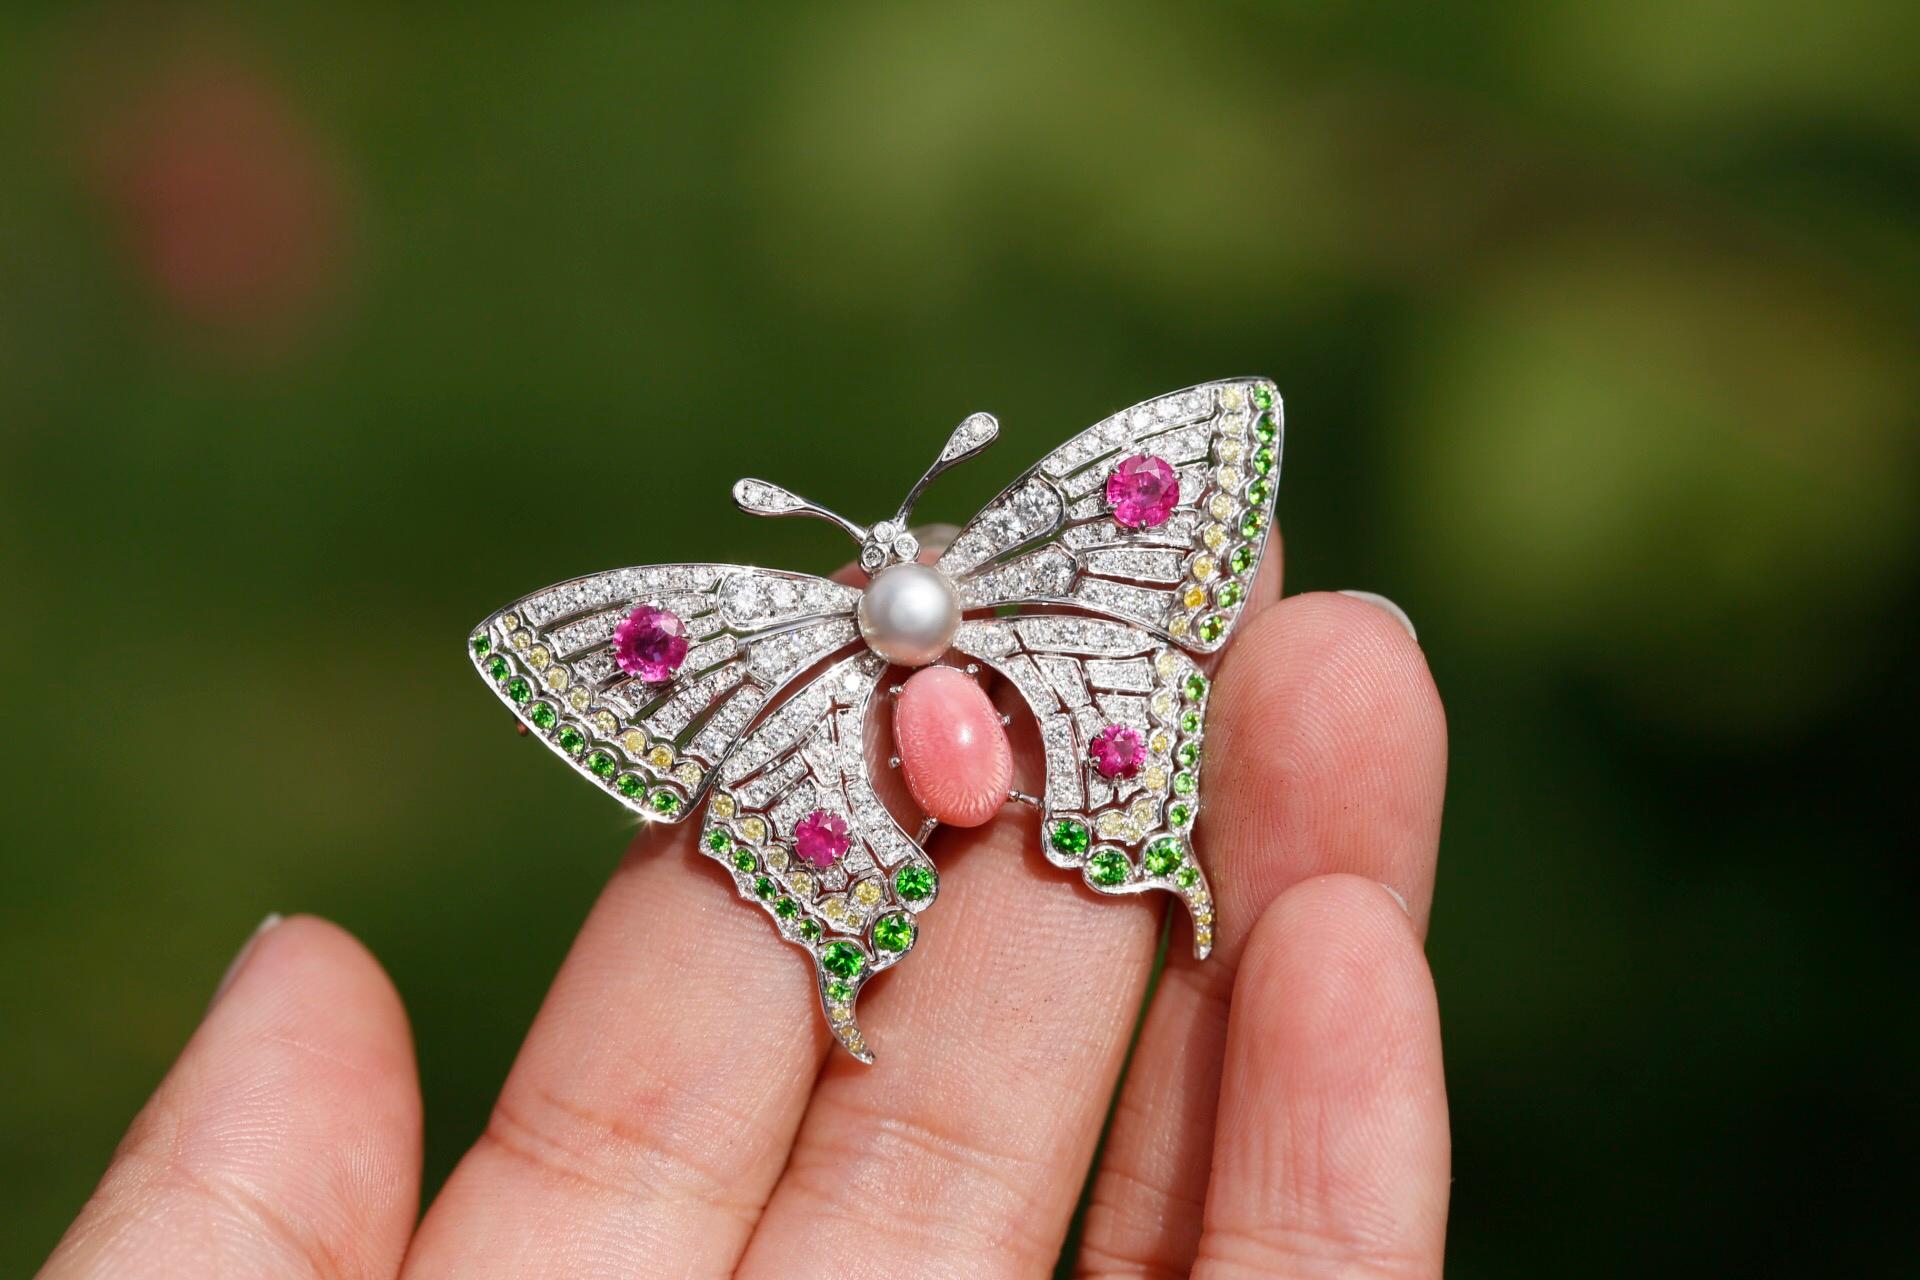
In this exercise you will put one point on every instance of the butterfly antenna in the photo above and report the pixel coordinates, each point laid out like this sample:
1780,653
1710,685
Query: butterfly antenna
970,437
758,497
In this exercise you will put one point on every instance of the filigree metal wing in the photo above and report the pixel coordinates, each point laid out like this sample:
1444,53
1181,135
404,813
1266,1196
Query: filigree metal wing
800,776
653,747
1051,536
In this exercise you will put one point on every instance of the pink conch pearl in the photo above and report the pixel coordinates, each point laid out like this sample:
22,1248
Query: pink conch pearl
952,749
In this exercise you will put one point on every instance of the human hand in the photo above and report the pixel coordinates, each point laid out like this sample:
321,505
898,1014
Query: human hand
1284,1112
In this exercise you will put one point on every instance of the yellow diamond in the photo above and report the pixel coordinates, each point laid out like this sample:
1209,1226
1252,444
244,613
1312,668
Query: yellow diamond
1196,595
520,639
867,892
1166,664
1141,811
1177,628
538,657
1110,824
1221,507
777,858
1203,567
1214,536
1227,477
839,1012
1230,397
1203,917
559,679
604,724
1231,450
753,829
634,741
509,620
578,699
800,882
1155,778
1163,704
660,757
689,774
834,909
1203,936
722,806
1159,743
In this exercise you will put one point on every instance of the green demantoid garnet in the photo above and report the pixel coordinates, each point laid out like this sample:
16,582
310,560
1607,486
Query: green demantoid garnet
481,644
543,716
1229,594
1257,491
602,764
1190,722
572,741
1242,559
839,992
1195,687
1183,783
1188,877
915,884
842,959
631,785
498,668
1163,856
1188,754
786,908
719,841
1179,814
894,932
763,887
1266,430
1263,397
810,930
665,803
1212,627
743,860
1071,837
1108,867
1263,460
1252,521
519,690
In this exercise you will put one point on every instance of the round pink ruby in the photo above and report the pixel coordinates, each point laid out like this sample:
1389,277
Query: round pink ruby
1118,751
1143,491
650,643
821,838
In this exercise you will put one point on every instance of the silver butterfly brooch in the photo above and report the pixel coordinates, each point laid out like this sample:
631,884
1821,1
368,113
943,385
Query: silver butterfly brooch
1092,584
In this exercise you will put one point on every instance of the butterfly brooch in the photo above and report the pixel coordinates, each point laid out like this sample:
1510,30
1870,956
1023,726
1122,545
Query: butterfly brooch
1093,584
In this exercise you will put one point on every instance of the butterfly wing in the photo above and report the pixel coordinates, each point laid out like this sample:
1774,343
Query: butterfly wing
1051,537
1080,676
804,762
654,747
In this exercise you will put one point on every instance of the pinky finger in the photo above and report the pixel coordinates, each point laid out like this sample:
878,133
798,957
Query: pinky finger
1331,1156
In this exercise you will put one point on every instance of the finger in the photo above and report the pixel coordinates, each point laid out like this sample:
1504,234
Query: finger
1333,1151
652,1106
284,1141
961,1151
1326,751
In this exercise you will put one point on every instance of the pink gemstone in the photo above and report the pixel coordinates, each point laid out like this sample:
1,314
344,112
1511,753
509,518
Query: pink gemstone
821,838
1118,751
1143,491
650,643
952,749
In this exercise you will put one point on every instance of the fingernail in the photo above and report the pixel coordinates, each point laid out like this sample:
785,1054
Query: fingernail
935,537
1398,897
1379,601
246,949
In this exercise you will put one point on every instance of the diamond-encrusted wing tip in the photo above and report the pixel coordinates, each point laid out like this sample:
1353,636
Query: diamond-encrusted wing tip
973,434
795,821
1109,689
763,499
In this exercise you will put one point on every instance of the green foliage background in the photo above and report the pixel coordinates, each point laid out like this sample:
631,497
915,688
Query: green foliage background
1597,329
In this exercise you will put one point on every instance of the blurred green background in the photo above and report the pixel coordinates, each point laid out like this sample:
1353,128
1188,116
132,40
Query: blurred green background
324,329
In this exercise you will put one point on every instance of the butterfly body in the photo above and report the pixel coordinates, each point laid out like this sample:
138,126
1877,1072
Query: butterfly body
1092,586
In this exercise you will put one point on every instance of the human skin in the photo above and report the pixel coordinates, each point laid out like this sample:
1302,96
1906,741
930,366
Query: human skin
1284,1113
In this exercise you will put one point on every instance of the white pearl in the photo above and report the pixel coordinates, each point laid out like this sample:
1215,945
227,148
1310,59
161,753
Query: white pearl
908,614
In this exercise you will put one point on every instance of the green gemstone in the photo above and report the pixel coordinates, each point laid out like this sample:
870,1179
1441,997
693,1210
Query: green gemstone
1188,877
839,992
572,741
786,908
1070,836
719,841
519,690
603,764
764,887
894,932
666,803
1183,783
1188,754
1262,460
915,883
1108,867
1190,722
1163,856
842,959
631,785
1212,627
810,930
1229,594
1195,687
1242,559
1263,397
1258,490
744,860
498,668
1252,521
1266,430
481,644
1179,814
543,716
